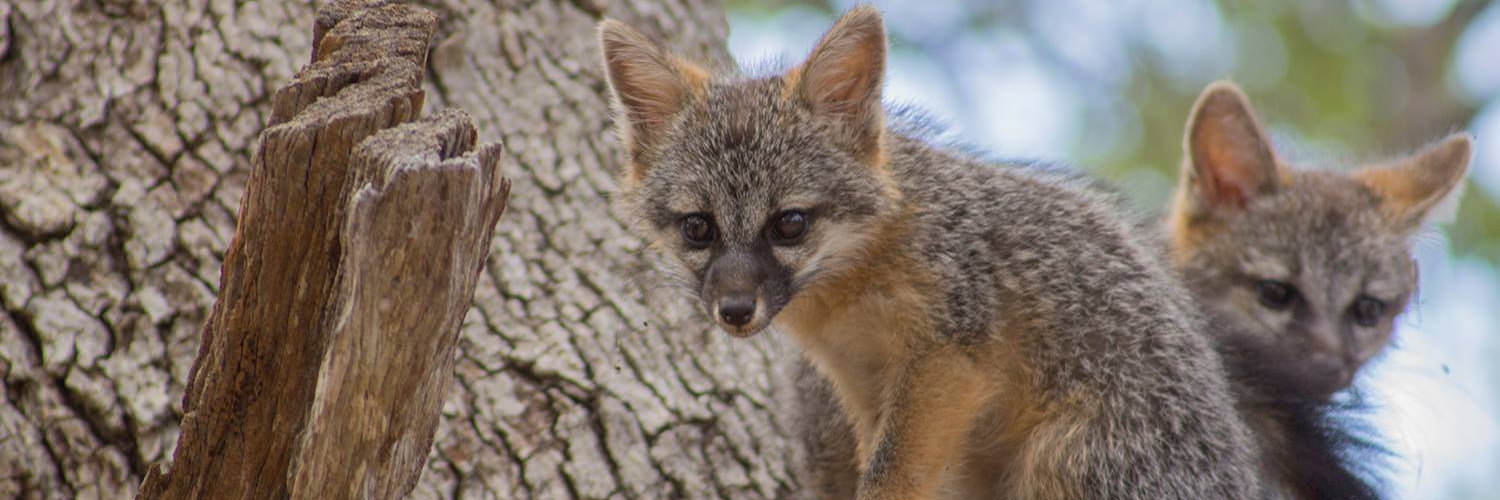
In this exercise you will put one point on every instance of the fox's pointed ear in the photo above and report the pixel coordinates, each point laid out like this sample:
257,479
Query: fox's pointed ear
1412,189
649,85
1229,160
842,76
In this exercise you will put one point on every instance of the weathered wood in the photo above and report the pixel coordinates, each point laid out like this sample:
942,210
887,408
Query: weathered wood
330,349
418,232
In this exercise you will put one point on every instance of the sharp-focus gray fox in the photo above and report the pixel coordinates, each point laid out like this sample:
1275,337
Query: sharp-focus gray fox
989,332
1301,274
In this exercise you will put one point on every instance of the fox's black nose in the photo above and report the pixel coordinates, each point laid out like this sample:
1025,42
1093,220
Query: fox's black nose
737,311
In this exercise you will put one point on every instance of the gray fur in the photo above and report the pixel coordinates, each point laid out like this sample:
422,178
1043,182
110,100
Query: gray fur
1241,220
1120,334
830,465
1325,235
1041,264
701,168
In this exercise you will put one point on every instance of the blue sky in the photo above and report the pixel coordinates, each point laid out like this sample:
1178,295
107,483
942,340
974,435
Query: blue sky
1437,390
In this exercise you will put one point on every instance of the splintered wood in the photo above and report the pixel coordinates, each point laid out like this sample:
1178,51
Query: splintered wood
361,235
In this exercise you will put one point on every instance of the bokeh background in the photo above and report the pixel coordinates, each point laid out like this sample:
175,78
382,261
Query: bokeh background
1106,85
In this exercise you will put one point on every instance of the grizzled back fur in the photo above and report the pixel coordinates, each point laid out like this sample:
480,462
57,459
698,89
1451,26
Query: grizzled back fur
1301,274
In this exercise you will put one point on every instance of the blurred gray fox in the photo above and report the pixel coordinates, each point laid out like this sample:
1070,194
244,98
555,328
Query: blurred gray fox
988,332
1301,274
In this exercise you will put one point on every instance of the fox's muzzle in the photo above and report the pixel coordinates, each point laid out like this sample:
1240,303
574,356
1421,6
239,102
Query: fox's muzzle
735,289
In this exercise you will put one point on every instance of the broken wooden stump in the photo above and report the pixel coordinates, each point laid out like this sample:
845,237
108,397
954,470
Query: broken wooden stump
361,234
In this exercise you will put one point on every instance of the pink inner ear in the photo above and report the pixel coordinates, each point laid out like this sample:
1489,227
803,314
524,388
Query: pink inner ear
648,87
843,74
1233,161
1228,182
834,91
840,83
649,102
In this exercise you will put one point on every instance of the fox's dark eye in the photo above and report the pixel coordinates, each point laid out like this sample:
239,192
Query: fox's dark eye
789,227
1275,294
697,230
1367,311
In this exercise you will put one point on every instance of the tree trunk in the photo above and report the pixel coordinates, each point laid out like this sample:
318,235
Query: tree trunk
360,239
125,138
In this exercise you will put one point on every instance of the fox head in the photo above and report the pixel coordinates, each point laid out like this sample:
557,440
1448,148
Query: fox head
1312,265
755,188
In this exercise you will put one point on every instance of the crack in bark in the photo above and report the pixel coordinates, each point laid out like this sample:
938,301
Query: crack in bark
92,418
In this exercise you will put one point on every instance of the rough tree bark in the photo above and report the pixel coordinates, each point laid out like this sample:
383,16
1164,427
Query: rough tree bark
125,131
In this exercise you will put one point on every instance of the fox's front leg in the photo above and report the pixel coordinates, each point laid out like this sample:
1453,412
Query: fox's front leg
926,413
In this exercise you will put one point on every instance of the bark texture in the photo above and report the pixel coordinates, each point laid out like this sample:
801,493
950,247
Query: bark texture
125,136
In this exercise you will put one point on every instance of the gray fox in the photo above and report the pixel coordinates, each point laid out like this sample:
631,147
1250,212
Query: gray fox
988,332
1301,274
